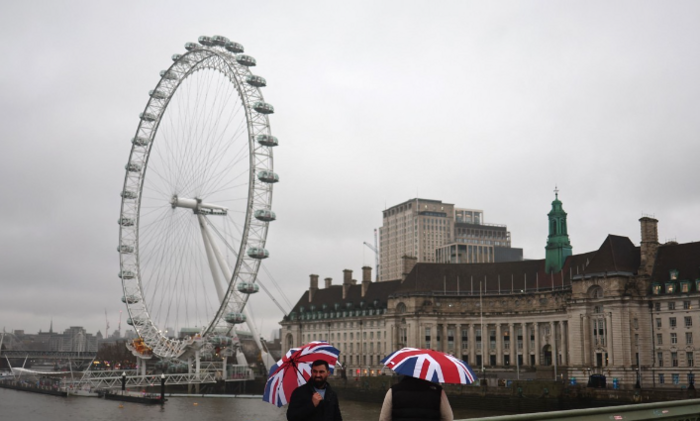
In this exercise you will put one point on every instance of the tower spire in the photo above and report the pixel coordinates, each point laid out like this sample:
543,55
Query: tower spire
558,245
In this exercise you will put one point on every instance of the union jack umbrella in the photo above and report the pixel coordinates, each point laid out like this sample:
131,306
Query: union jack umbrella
426,364
294,370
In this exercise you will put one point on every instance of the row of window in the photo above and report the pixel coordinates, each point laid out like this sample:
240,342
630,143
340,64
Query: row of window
345,325
672,322
674,338
671,305
676,378
324,336
683,287
689,359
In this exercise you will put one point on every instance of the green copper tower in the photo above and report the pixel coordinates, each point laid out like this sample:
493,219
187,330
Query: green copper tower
558,244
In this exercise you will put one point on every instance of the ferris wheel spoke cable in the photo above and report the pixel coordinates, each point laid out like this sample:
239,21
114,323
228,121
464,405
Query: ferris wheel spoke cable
258,279
216,178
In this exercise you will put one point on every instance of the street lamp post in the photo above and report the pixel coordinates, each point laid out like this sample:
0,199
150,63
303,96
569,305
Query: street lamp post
123,382
162,389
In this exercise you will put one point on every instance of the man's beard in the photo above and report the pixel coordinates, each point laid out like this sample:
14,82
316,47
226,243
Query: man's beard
319,383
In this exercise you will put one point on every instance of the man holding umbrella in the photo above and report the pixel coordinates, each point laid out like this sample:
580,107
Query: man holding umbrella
315,401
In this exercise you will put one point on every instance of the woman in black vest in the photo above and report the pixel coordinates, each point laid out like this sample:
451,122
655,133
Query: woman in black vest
414,399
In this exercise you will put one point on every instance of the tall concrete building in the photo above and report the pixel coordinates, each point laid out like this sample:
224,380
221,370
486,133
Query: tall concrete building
424,230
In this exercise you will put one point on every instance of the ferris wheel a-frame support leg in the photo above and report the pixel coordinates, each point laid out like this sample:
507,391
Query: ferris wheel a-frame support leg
224,268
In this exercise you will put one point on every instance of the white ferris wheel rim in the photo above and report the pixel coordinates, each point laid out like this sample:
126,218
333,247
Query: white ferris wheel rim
134,263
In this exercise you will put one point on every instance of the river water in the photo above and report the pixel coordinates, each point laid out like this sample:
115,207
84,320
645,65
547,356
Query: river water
17,405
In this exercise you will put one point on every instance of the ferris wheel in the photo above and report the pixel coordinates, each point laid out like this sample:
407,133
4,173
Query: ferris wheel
196,201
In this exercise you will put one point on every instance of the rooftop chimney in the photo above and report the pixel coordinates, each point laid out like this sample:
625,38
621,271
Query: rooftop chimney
366,279
313,286
649,245
347,281
329,281
408,263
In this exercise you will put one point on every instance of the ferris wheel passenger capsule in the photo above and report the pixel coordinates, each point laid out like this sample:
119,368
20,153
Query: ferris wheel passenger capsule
264,215
245,60
206,41
263,108
140,141
125,249
168,74
130,299
235,318
126,222
132,167
234,47
257,81
219,40
267,140
192,46
126,274
128,194
248,287
157,94
267,176
147,117
258,253
135,321
220,340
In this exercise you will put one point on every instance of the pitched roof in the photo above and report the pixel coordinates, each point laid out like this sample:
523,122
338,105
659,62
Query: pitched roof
377,291
685,258
616,254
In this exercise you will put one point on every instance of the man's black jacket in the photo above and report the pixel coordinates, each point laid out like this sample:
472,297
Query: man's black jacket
301,407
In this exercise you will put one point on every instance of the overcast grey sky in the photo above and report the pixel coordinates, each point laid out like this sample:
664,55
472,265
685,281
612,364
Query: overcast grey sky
482,104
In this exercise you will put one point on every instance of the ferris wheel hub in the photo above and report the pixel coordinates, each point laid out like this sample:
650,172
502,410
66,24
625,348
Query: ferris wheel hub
197,206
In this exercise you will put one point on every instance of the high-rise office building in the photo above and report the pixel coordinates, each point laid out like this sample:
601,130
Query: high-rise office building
424,230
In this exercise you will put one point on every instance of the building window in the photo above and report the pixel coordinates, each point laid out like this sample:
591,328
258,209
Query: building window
671,287
672,322
661,379
427,338
659,339
674,359
477,333
673,274
671,306
599,331
690,359
492,340
656,289
658,323
688,321
465,338
657,306
674,338
660,359
450,338
688,338
685,288
676,378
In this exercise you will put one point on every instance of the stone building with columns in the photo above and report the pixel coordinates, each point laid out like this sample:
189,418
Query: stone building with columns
627,312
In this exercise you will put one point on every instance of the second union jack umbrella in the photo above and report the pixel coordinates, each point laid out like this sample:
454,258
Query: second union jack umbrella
426,364
294,370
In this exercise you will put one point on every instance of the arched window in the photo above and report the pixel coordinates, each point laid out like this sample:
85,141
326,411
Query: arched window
290,341
595,292
400,308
